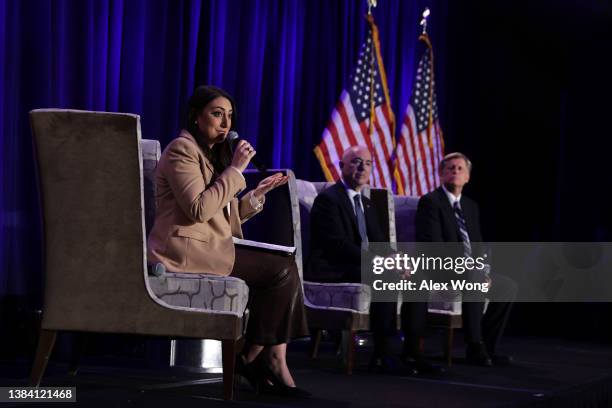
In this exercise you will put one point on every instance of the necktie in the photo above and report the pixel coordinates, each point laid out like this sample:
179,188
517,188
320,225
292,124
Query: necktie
465,238
361,222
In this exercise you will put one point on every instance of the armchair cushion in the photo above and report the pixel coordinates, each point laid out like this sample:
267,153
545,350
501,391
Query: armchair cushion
201,291
440,302
353,296
443,302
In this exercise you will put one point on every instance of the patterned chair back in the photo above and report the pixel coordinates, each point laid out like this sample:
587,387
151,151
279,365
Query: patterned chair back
215,294
151,152
405,216
348,296
276,223
92,183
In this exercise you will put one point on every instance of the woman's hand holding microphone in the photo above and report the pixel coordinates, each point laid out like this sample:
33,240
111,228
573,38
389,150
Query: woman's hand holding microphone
243,153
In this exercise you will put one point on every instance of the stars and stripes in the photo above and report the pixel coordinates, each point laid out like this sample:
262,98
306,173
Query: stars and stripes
420,146
363,116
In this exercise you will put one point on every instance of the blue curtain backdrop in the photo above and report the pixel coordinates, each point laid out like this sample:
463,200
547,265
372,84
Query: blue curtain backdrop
523,88
284,61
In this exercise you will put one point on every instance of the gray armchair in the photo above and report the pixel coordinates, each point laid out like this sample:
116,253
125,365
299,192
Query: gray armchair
204,291
337,306
443,311
90,171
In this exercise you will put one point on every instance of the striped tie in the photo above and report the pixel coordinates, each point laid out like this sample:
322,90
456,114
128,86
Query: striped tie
465,238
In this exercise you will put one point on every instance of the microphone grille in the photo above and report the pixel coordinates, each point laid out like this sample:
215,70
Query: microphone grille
232,136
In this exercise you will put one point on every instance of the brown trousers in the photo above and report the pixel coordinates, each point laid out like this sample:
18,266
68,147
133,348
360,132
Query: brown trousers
276,302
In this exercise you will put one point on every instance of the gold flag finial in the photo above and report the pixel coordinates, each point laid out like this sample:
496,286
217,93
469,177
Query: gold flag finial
371,3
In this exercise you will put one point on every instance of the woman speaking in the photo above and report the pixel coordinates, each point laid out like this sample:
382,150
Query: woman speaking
197,213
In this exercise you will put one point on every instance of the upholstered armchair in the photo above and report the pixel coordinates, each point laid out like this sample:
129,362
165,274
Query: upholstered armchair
203,291
444,309
337,306
90,172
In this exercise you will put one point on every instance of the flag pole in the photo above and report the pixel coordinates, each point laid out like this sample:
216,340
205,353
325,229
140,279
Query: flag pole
420,145
423,22
425,38
371,3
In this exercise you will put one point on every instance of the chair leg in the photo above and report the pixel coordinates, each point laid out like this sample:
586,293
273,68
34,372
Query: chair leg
350,350
315,344
77,351
228,350
448,349
240,345
340,342
46,341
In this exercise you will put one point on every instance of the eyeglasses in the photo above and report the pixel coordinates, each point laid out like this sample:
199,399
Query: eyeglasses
358,162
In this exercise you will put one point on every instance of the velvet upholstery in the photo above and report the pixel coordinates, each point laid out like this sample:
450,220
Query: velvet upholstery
352,297
444,307
90,173
337,306
405,214
151,152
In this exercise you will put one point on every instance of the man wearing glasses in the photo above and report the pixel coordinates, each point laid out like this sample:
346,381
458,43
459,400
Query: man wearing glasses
343,222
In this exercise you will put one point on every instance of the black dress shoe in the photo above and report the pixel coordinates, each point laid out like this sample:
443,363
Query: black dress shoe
422,366
501,360
476,354
381,365
390,366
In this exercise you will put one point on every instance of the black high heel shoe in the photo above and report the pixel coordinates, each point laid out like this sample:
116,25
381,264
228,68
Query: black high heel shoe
273,385
249,371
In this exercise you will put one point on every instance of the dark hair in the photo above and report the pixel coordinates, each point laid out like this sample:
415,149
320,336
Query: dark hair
220,155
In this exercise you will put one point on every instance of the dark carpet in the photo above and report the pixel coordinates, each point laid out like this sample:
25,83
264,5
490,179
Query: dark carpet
546,373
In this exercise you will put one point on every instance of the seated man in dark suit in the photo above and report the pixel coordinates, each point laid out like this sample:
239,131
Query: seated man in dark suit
447,215
343,222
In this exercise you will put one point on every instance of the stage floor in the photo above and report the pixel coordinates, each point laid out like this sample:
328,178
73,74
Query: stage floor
547,372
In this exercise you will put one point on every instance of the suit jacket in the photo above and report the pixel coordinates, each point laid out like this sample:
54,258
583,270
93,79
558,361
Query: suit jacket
435,221
192,230
335,241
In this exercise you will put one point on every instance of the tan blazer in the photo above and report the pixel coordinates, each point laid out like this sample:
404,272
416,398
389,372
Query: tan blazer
192,230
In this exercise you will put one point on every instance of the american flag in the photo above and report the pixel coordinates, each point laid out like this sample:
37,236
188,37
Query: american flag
420,146
362,116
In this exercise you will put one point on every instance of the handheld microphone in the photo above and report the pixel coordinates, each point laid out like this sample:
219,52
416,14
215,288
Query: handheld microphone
233,141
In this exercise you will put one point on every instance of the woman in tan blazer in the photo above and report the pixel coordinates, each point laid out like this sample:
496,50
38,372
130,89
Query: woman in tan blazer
197,180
